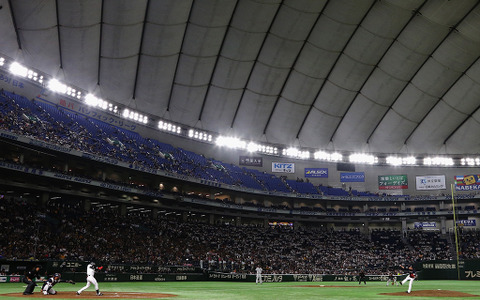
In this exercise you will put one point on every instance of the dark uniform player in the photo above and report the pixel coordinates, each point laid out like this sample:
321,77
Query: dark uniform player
362,277
47,287
29,279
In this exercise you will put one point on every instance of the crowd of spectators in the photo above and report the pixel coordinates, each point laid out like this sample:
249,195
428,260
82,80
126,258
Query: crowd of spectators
62,230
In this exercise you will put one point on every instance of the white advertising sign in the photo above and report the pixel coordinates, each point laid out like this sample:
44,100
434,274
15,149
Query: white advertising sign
431,182
283,167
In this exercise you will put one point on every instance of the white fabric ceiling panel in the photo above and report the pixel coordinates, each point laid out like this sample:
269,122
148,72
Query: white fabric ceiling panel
330,35
422,36
124,12
79,13
121,41
154,82
7,31
160,40
436,127
306,5
293,24
254,16
34,15
358,123
220,110
435,78
457,52
386,19
366,47
350,74
286,122
382,88
40,50
168,12
348,12
469,27
266,80
279,53
465,140
253,114
318,129
413,104
241,45
315,62
231,74
187,104
334,100
191,70
464,95
203,41
447,13
80,48
391,133
301,89
116,79
212,13
401,62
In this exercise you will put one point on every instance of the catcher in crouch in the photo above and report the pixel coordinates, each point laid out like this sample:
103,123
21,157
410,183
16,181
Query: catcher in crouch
47,287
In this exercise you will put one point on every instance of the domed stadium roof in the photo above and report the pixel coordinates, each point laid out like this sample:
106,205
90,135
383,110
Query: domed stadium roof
377,76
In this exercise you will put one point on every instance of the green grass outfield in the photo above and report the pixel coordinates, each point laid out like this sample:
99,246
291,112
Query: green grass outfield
285,290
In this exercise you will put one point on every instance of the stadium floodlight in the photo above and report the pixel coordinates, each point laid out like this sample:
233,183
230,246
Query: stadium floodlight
2,61
363,158
470,161
252,147
56,86
296,153
18,69
322,155
438,161
230,142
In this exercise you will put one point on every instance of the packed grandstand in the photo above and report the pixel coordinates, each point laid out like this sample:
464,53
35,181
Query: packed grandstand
65,228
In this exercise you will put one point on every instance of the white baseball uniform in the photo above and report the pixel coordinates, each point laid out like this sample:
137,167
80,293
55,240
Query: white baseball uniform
90,280
259,275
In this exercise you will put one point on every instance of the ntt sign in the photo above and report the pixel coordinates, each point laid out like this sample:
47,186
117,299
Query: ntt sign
283,167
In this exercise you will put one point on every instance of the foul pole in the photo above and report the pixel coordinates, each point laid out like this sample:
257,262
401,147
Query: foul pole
455,231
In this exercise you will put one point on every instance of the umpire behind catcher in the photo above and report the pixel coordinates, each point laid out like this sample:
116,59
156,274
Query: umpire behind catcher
29,279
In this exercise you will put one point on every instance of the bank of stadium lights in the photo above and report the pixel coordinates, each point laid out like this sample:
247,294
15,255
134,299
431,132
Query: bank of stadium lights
93,101
333,157
169,127
362,158
61,88
438,161
401,161
230,142
135,116
469,161
296,153
2,61
22,71
200,135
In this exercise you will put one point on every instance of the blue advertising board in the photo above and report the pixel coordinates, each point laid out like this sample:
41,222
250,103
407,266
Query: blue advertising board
352,177
316,172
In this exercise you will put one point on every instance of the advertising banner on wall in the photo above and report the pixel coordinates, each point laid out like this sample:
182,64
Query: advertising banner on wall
472,223
392,182
278,167
352,177
316,172
253,161
430,182
419,225
467,183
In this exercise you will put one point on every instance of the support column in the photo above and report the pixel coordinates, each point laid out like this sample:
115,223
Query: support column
87,204
211,219
123,210
44,199
265,223
238,221
442,205
404,227
443,226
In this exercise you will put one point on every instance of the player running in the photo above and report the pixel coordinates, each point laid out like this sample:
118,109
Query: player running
91,279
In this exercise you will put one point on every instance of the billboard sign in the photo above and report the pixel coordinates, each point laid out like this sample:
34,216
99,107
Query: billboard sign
392,182
430,183
467,183
253,161
352,177
278,167
467,223
419,225
316,172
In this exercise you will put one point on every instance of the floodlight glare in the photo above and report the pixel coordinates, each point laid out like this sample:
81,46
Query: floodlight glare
2,61
56,86
18,69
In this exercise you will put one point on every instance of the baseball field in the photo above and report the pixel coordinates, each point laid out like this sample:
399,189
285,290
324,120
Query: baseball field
227,290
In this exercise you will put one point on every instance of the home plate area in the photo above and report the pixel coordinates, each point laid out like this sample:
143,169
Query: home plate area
93,295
